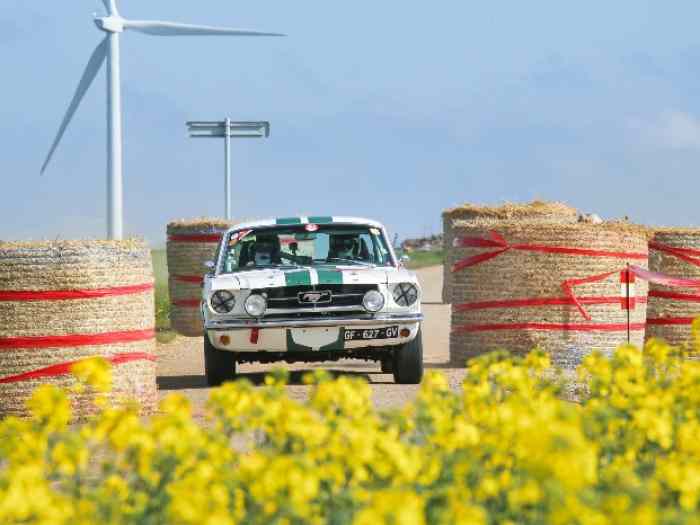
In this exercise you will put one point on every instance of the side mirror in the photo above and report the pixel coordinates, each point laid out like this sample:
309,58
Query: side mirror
404,259
210,265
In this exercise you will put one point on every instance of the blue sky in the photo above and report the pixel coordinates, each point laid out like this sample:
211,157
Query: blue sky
393,110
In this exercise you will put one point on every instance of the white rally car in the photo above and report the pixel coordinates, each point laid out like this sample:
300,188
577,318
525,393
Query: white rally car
310,289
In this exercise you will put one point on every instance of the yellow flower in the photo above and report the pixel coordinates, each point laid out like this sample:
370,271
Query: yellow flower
95,372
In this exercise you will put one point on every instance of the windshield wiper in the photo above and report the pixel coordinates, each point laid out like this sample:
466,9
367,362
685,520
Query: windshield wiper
352,261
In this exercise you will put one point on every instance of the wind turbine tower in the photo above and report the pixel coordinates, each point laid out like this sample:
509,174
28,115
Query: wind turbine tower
114,25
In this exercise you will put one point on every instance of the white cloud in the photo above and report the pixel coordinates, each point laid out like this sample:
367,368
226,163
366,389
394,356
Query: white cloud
672,129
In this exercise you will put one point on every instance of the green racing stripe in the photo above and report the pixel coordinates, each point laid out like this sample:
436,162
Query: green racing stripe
320,220
297,278
288,220
330,276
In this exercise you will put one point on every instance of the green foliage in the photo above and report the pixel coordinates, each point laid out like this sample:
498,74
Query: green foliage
162,296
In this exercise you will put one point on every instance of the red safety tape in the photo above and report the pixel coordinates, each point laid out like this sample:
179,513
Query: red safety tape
194,279
547,301
662,294
188,303
497,241
568,286
627,276
65,368
567,327
689,255
667,280
62,295
201,237
62,341
671,321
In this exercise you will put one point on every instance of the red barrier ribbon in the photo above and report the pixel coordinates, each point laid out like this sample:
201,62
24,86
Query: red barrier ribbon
663,294
545,301
640,272
65,368
63,295
497,241
671,320
188,303
62,341
688,255
193,279
196,237
667,280
568,286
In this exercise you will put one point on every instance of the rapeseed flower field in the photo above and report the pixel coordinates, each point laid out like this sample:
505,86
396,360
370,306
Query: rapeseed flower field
504,449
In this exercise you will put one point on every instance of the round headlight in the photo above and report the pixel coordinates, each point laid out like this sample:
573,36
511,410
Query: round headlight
373,301
222,301
255,305
405,294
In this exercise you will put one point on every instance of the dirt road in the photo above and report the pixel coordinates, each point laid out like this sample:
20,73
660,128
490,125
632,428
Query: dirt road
181,366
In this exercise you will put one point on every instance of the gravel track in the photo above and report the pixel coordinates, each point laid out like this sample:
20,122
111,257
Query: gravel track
181,364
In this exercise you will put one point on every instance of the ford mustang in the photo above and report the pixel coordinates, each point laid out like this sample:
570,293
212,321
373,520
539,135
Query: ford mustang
308,289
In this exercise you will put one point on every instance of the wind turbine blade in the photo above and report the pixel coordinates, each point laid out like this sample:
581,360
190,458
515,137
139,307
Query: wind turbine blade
111,6
159,28
91,70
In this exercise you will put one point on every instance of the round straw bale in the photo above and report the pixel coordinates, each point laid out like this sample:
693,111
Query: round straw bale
535,211
511,296
674,252
191,243
64,301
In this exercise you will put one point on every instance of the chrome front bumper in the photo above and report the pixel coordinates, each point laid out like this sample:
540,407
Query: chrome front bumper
364,320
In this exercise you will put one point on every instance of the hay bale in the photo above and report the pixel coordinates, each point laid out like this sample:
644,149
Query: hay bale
512,294
535,211
64,301
674,252
191,243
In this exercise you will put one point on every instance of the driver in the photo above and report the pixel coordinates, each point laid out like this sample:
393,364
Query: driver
343,247
267,250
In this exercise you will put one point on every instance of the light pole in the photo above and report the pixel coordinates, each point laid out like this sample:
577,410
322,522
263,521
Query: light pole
228,129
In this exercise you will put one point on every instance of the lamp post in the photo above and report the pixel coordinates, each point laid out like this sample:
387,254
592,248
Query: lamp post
228,129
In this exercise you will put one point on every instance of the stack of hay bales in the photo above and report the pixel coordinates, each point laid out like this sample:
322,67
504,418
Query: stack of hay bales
674,252
191,243
513,295
535,211
62,302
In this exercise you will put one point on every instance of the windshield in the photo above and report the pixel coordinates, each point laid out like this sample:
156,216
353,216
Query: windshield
304,245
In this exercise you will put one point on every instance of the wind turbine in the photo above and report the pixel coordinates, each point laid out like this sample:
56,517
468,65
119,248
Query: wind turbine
113,25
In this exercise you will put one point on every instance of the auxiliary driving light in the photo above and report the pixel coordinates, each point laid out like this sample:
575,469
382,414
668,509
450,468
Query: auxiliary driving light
222,301
373,301
405,294
255,305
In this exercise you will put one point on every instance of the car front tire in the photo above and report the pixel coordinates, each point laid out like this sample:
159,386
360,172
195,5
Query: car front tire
219,365
408,362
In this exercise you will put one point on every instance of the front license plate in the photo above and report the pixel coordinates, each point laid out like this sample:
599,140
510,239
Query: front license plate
390,332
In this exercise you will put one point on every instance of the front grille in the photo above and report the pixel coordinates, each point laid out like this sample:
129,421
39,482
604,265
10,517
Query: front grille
341,295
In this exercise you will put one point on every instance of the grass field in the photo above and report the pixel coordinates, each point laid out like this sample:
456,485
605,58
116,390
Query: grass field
160,270
423,259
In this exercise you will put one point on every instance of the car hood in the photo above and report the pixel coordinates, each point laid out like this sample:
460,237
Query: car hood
277,278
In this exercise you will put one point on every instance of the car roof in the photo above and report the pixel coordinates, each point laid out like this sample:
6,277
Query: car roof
310,219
